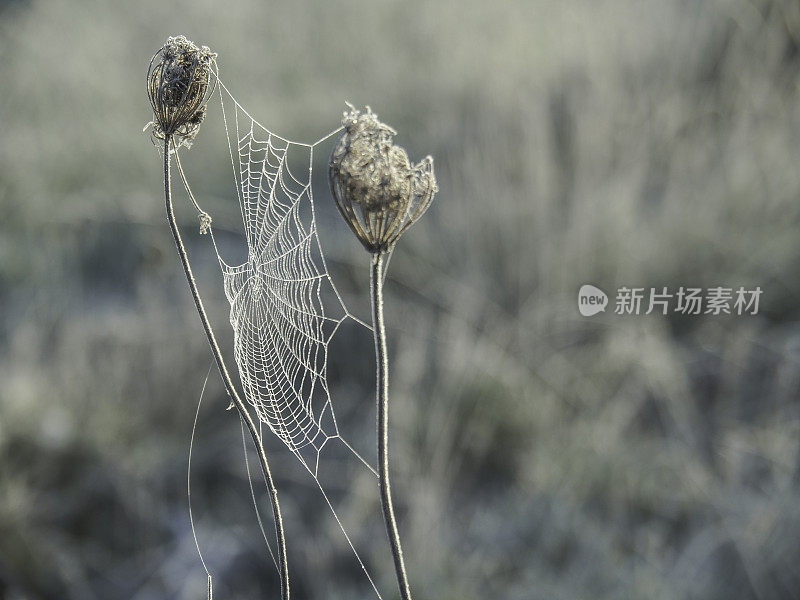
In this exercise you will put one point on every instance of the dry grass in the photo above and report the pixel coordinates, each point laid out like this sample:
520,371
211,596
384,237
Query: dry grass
543,455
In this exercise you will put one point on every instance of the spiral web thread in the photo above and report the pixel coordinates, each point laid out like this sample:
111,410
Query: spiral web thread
282,327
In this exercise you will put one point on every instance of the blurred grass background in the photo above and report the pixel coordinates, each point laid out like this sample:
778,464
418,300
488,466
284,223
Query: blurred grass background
537,454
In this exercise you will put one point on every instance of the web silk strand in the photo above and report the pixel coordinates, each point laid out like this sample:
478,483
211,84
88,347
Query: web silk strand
281,323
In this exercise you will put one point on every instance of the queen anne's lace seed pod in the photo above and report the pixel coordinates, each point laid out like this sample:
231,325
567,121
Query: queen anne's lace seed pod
179,86
377,190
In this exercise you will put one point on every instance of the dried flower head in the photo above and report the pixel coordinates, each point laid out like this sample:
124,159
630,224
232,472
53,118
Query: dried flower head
378,191
179,86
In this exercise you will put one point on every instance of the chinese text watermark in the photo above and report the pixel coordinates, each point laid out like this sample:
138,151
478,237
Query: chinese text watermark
684,300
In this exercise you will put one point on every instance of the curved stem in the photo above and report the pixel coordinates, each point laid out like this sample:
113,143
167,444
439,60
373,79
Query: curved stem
226,378
382,392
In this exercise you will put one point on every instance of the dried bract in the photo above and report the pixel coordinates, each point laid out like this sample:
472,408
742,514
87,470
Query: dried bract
179,86
377,190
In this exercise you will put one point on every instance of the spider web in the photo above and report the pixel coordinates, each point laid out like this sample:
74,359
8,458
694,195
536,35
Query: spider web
285,308
280,298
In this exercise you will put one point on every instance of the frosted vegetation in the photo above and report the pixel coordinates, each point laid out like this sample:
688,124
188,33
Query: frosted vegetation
539,454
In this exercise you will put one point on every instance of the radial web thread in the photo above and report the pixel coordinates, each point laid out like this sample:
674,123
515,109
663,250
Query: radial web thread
282,326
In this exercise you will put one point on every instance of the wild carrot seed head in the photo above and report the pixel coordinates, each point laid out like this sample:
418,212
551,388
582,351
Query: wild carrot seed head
179,86
378,191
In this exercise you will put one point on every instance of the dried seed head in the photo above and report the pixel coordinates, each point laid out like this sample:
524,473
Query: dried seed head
179,86
378,191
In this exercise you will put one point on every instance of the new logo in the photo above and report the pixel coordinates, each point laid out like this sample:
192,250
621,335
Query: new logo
591,300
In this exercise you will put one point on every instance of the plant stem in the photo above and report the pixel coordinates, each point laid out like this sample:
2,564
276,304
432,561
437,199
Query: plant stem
382,393
226,378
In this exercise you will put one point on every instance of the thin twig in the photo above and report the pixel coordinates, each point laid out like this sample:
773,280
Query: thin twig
382,393
226,378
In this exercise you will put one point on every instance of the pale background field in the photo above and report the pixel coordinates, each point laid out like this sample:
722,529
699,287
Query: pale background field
537,454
